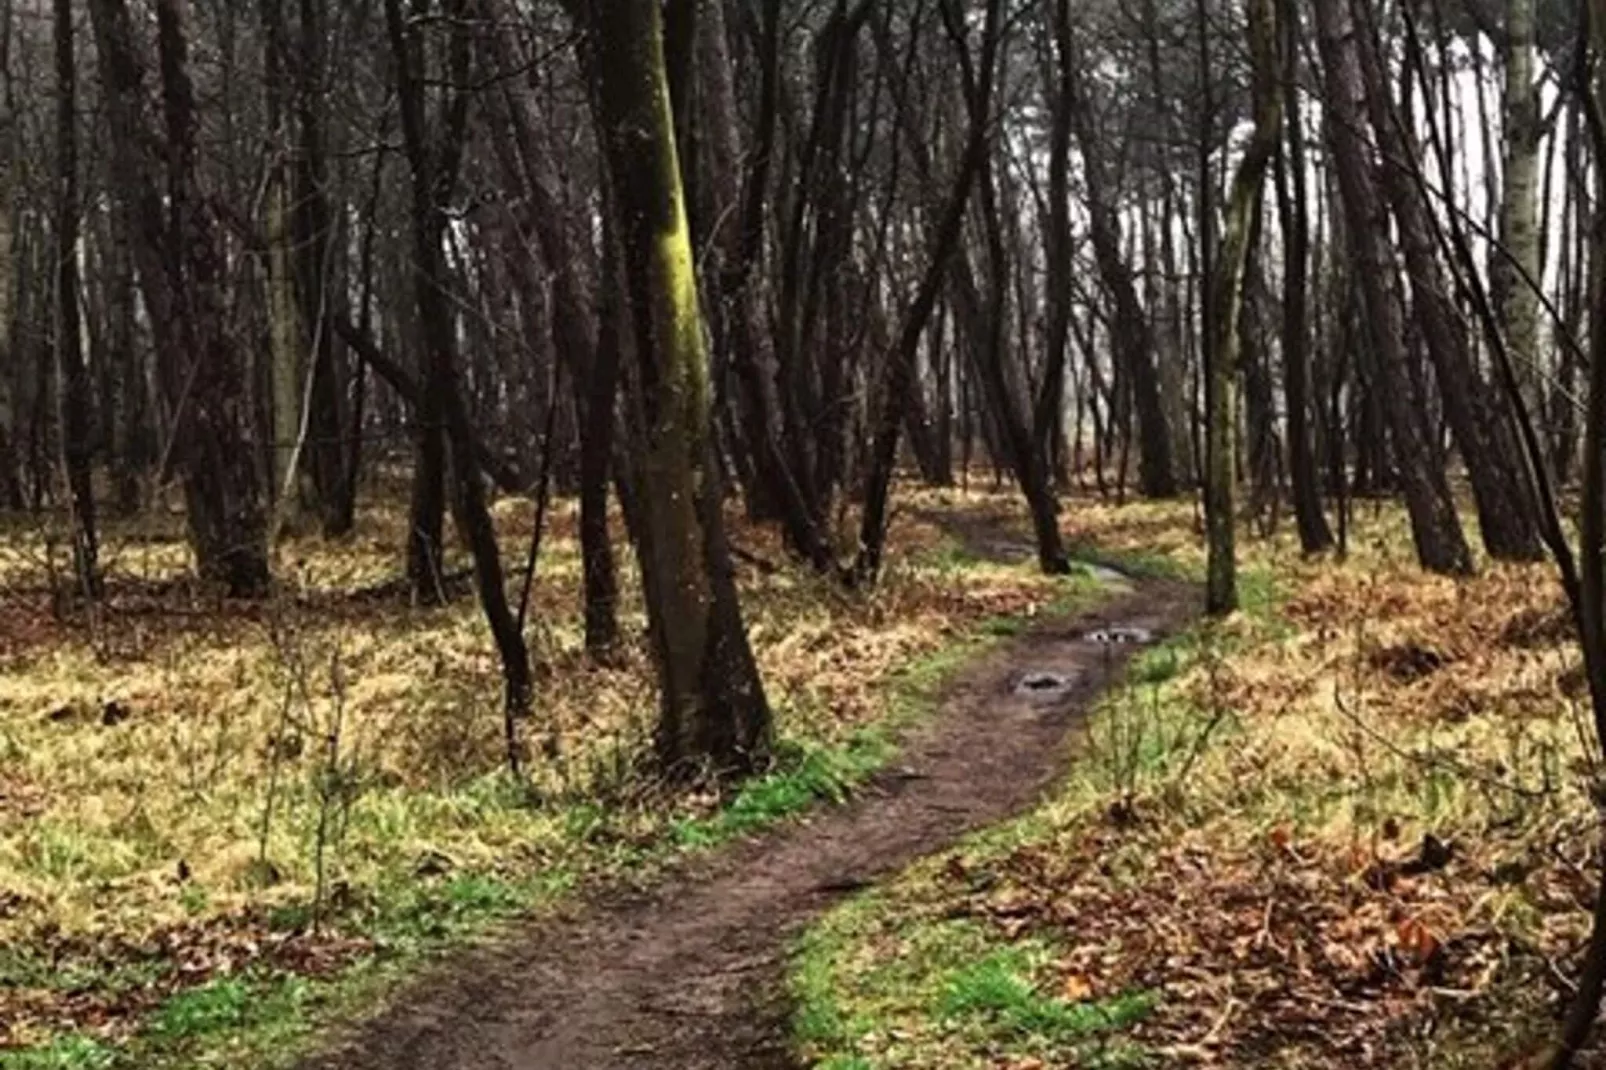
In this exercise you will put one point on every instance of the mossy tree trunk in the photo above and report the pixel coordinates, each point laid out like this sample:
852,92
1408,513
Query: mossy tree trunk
714,717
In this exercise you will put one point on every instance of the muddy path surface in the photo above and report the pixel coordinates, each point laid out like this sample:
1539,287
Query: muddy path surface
691,974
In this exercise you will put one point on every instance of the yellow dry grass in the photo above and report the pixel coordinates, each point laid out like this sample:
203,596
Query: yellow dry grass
167,766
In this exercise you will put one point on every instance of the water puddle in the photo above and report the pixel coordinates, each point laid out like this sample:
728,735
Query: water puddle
1043,685
1121,635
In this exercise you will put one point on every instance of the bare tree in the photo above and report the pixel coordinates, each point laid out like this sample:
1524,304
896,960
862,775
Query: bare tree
434,149
1222,357
73,392
179,259
714,716
1435,528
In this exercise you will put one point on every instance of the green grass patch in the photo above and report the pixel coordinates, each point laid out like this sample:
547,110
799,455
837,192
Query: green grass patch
999,995
805,775
64,1053
1139,564
226,1004
883,984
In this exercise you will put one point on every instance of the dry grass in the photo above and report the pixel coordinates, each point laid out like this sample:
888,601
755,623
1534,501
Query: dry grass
167,777
1351,827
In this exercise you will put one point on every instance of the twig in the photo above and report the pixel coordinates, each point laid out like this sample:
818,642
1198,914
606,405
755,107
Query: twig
764,565
542,485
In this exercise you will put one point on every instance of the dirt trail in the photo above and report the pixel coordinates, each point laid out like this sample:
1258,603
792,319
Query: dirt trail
690,975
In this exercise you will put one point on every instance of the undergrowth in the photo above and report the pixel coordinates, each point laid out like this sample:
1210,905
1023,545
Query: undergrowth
219,830
1349,827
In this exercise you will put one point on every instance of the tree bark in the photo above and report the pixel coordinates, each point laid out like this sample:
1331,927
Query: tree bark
73,388
1232,266
1435,528
714,717
200,366
1315,536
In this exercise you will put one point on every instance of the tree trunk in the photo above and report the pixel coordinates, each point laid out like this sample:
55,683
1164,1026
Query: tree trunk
1479,420
72,390
1515,268
131,442
312,228
735,313
1132,330
714,717
11,496
1221,592
284,356
592,356
597,450
1024,450
182,273
1435,528
899,369
1293,213
1563,410
1048,414
433,162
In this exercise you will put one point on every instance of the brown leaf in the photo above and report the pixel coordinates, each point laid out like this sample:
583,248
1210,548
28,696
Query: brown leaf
1076,988
1416,940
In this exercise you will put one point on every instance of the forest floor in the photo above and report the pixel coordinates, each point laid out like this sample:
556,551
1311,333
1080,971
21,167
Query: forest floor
223,827
691,976
1350,826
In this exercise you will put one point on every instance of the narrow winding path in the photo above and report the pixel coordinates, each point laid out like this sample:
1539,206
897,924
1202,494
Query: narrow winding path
690,975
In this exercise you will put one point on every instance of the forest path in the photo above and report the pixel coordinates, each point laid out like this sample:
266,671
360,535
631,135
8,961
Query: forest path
690,975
